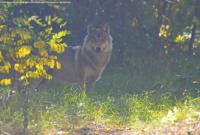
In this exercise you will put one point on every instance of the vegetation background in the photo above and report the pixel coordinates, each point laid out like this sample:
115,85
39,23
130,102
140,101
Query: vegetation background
151,85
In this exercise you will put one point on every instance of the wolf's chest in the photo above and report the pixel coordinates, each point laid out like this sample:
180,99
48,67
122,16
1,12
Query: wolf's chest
92,74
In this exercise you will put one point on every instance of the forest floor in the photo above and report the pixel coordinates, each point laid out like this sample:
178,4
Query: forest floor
79,114
184,127
117,107
85,115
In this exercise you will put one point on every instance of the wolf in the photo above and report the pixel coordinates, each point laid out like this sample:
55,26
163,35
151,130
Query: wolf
84,65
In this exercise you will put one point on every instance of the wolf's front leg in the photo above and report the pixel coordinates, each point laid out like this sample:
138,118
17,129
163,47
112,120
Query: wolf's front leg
90,86
82,85
87,86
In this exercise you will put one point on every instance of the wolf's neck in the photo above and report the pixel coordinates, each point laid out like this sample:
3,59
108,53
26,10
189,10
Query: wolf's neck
91,59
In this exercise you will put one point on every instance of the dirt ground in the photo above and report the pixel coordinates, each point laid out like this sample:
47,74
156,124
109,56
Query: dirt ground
184,127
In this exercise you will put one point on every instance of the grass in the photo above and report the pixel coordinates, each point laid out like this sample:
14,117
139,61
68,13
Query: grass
132,100
69,110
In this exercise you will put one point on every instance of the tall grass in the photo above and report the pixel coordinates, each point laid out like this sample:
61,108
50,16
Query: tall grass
70,109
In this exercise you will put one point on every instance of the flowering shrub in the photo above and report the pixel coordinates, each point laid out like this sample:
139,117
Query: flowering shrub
26,54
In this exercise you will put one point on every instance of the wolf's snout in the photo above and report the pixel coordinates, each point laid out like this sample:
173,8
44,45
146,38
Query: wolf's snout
98,49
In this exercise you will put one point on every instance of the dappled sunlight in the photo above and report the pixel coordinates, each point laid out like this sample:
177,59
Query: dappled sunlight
68,111
100,67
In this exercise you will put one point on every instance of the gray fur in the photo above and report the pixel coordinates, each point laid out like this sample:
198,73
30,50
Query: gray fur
85,64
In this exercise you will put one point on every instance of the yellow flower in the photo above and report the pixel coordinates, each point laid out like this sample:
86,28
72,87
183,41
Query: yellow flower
58,65
23,51
1,57
53,57
51,64
43,52
59,48
48,20
5,82
179,38
19,42
59,20
39,44
49,30
22,77
48,76
19,68
7,67
39,66
30,62
164,31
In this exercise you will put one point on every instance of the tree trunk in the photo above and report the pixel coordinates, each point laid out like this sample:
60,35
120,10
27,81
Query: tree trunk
157,44
191,43
193,34
25,96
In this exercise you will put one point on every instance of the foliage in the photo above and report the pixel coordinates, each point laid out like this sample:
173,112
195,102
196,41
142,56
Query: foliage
151,43
147,25
27,54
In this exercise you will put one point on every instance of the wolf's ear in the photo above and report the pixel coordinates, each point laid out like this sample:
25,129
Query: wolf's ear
90,28
106,28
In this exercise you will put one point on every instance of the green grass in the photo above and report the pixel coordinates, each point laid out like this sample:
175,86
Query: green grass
69,109
124,98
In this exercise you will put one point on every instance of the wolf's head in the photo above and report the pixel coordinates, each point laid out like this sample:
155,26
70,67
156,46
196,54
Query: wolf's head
98,38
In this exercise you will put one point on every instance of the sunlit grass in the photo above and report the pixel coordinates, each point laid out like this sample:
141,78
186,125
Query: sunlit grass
123,100
68,109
